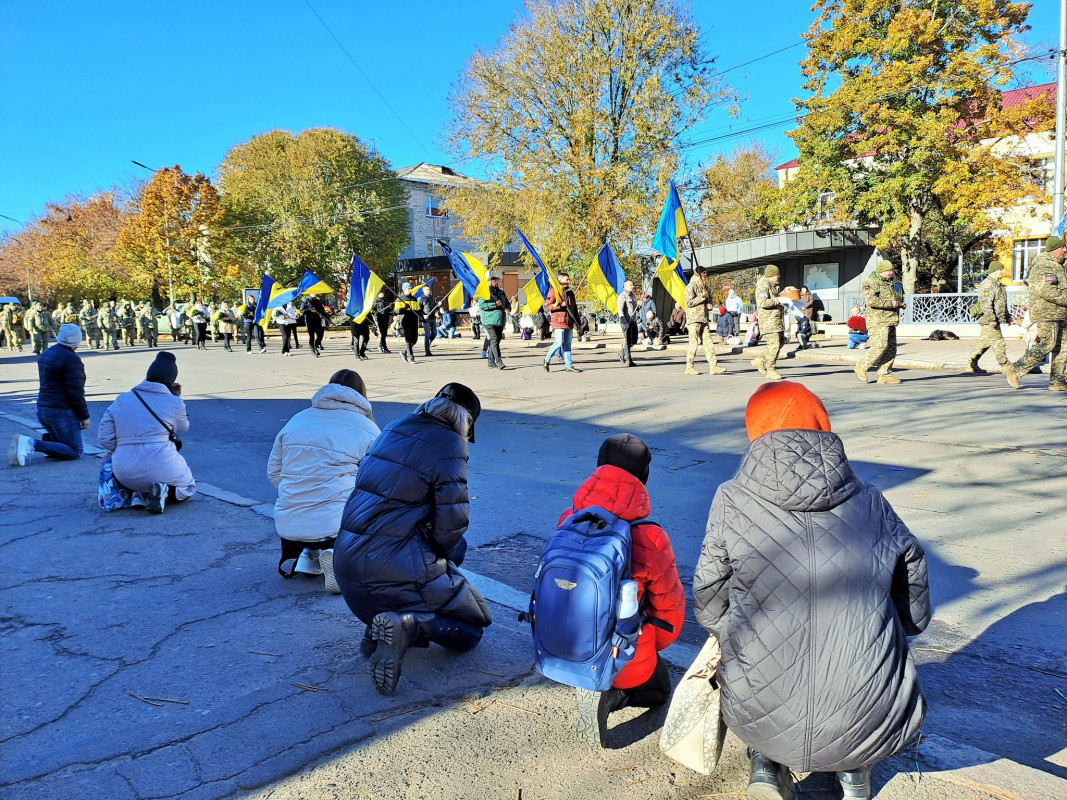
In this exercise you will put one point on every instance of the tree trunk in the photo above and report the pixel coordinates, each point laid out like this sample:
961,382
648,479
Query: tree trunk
909,252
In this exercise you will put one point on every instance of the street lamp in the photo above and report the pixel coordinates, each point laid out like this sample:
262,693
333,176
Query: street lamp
166,238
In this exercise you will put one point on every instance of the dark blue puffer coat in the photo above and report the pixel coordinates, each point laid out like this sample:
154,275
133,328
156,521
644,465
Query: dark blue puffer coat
405,520
62,380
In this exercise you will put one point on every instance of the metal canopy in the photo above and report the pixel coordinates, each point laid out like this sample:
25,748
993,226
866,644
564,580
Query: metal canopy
730,256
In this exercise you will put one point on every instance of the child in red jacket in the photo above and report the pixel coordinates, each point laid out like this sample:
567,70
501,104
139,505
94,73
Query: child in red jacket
618,486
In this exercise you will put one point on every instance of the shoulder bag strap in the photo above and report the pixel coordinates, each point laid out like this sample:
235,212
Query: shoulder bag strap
166,427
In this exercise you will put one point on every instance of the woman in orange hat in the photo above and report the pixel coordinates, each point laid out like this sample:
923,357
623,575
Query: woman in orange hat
811,583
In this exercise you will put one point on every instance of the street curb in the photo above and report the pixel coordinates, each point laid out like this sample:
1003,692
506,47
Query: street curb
976,769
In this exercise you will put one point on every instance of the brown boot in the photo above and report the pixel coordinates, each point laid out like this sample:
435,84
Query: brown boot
973,367
689,370
717,370
758,364
1012,376
860,371
1058,386
888,379
772,375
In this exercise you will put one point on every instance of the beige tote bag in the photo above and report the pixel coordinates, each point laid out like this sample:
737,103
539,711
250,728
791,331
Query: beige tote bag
694,731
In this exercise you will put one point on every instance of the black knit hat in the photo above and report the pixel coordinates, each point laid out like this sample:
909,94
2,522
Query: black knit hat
463,396
626,451
164,369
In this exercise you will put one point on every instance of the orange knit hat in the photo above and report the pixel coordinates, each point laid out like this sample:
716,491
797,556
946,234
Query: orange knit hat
784,405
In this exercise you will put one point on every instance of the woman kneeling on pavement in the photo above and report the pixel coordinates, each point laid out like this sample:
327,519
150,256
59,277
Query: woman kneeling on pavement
401,537
811,584
313,464
140,429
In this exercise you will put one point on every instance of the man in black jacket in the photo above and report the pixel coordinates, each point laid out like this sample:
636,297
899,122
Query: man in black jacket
401,537
316,318
383,312
61,404
252,329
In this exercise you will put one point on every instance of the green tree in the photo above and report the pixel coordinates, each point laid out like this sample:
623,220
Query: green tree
309,201
576,113
740,197
905,118
168,238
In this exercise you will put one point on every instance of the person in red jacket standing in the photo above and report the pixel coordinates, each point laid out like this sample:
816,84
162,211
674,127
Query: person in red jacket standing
618,486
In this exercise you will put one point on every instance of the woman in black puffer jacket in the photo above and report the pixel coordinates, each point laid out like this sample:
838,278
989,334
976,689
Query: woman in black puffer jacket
402,537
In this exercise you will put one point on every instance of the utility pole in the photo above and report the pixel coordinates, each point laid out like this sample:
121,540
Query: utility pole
1061,112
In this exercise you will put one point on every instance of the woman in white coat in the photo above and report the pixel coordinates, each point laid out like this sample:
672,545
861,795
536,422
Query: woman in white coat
139,429
313,464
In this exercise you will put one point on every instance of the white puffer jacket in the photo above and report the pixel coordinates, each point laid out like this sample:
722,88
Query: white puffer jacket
314,462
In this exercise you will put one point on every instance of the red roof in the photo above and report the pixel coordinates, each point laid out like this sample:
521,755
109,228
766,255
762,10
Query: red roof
1009,99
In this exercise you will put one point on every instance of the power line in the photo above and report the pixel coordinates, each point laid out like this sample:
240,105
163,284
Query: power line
366,77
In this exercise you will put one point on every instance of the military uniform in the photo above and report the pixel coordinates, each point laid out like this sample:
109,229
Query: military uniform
697,302
112,319
37,328
147,319
993,300
49,327
128,321
770,314
1048,309
882,320
90,320
11,320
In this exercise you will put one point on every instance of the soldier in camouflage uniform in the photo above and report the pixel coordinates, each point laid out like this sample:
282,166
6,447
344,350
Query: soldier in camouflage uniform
112,324
883,316
771,323
147,319
697,302
49,324
37,328
90,322
1048,308
11,319
993,300
69,315
128,320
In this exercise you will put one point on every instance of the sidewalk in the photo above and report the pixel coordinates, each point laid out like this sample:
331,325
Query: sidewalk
162,656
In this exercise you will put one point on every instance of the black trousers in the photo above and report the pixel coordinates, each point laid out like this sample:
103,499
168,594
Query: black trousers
315,331
382,322
411,337
493,333
200,333
287,332
360,336
629,339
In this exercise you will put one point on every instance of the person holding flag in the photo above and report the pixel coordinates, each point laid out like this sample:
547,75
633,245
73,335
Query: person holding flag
253,312
363,291
407,308
563,308
493,311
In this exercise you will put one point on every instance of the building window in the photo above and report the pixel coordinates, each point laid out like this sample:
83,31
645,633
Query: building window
976,263
433,208
435,249
824,207
1023,253
1043,172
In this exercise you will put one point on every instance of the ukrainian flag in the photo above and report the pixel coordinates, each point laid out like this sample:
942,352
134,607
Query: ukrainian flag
549,279
362,290
606,277
672,225
266,289
673,279
470,271
421,289
309,284
458,298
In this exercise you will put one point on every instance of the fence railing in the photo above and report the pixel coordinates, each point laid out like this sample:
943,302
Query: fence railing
948,308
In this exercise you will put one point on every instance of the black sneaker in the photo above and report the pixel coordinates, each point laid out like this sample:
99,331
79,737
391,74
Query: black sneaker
156,498
571,369
545,365
768,780
856,784
404,355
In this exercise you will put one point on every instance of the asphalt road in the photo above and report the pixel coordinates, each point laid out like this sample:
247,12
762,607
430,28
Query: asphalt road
976,470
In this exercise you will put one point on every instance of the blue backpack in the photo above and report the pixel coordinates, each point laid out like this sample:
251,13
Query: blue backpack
578,637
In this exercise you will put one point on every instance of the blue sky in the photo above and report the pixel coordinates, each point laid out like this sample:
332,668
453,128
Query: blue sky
86,87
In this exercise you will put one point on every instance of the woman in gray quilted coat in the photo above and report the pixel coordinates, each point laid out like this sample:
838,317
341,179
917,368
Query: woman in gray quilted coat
811,583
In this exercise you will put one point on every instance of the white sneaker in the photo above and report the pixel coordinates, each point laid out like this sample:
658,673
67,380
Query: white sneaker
19,450
308,563
138,500
156,498
326,562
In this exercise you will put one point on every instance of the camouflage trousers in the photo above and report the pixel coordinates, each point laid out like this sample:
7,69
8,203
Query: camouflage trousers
700,333
113,338
13,337
40,342
94,336
769,357
1050,337
990,337
883,344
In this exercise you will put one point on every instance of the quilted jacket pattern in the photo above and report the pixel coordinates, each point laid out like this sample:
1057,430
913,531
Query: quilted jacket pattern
405,520
812,583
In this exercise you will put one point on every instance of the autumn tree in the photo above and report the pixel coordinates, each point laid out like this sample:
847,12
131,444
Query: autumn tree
905,118
167,240
310,201
739,196
576,113
68,252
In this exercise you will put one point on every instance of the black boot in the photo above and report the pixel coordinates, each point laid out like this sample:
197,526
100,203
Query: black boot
394,634
593,710
367,645
855,784
768,780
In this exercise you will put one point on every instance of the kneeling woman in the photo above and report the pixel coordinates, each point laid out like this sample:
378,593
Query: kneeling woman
139,429
401,537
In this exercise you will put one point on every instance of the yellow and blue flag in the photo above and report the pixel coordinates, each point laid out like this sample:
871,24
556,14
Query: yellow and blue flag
423,289
606,277
266,288
362,290
536,292
549,279
458,298
470,271
672,225
309,284
673,279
